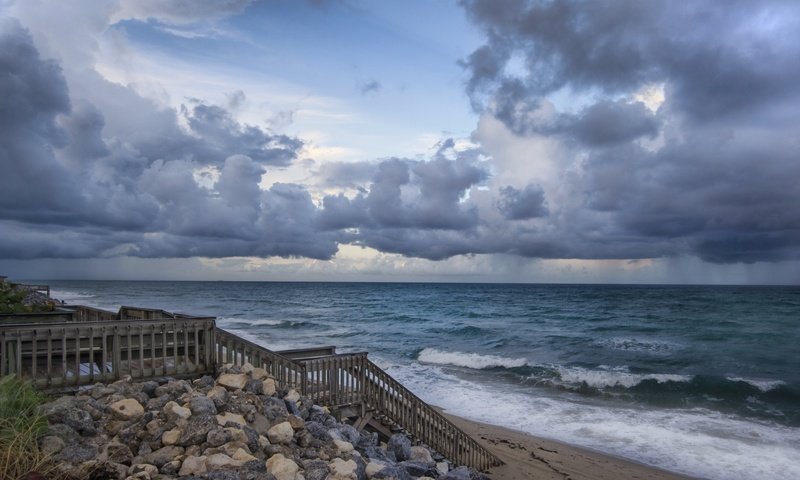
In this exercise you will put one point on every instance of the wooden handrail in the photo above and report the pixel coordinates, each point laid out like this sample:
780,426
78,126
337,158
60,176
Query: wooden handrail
231,348
72,354
348,379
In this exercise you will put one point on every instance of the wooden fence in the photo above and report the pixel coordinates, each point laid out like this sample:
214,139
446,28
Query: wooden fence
82,353
90,347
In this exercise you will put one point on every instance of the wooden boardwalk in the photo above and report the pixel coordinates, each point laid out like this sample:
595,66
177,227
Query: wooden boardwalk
77,346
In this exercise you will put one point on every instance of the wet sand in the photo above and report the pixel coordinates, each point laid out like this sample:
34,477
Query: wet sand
529,458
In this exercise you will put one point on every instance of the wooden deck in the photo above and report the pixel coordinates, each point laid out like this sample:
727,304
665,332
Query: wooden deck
80,346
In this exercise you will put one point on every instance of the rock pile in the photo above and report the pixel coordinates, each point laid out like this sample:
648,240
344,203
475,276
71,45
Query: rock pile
241,426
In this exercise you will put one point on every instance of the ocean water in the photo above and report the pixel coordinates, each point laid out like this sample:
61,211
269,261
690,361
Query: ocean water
702,380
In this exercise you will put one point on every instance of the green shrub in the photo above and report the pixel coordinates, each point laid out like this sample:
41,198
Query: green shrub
20,426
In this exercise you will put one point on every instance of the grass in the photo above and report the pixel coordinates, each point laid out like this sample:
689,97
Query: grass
20,427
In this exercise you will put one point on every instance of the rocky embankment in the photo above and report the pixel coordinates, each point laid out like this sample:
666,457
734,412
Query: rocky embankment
241,426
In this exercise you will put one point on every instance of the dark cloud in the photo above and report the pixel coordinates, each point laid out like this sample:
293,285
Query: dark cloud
221,136
75,185
708,172
522,204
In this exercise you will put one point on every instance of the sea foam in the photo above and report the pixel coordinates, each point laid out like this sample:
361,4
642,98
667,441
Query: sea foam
468,360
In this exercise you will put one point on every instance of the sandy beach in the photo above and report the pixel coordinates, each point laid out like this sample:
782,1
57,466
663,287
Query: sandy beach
528,457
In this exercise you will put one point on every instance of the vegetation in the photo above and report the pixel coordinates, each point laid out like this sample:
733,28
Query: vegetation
15,300
20,427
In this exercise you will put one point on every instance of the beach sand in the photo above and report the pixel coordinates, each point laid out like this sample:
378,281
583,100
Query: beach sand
529,457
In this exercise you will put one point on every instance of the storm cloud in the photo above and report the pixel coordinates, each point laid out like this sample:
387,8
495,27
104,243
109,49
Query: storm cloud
606,130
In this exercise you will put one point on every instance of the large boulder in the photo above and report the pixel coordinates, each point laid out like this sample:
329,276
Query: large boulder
282,433
399,447
162,456
202,406
232,381
127,409
343,470
197,429
67,410
282,468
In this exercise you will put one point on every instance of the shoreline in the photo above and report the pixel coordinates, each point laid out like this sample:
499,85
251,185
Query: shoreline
529,457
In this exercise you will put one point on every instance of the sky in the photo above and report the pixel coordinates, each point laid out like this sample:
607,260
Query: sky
483,140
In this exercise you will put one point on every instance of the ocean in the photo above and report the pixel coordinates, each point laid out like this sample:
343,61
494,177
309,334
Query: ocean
702,380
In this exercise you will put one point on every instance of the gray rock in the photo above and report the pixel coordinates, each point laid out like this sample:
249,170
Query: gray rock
77,452
460,473
50,445
206,381
367,439
64,432
197,429
393,473
349,433
173,389
170,468
318,431
149,388
316,469
291,407
218,436
223,475
417,469
117,452
399,447
252,438
275,410
202,406
254,386
162,456
376,453
67,410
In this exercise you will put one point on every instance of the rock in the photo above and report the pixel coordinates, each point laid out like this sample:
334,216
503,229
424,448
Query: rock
292,396
247,367
117,452
66,410
96,469
392,472
50,445
341,470
282,468
219,396
220,461
231,417
291,407
225,475
349,433
138,468
343,447
315,470
417,469
399,447
259,374
173,389
275,409
282,433
374,467
296,422
193,466
77,453
175,412
460,473
442,468
318,431
202,406
162,456
197,429
170,468
421,454
254,386
269,386
232,381
171,437
149,388
242,456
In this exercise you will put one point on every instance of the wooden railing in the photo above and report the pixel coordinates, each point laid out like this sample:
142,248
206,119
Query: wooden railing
83,345
347,379
233,349
82,353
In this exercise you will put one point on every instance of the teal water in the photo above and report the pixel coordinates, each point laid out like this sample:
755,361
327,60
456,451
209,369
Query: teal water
701,380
